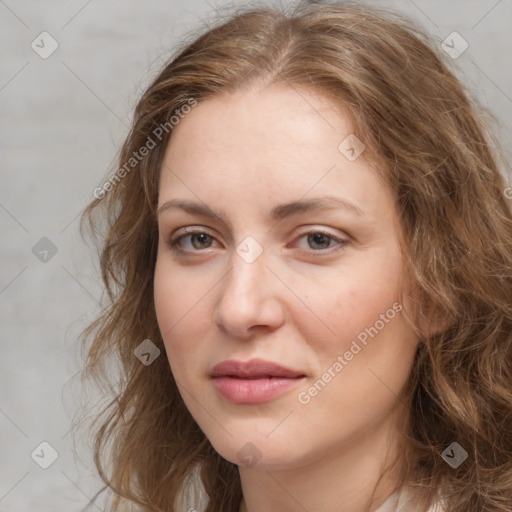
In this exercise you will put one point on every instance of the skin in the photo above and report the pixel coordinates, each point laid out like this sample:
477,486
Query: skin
301,303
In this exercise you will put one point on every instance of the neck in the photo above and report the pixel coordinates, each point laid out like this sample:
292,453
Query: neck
358,476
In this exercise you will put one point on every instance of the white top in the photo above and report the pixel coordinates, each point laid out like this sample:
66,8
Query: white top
399,501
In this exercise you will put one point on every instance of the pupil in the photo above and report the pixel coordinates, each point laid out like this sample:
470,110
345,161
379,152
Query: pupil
202,238
320,238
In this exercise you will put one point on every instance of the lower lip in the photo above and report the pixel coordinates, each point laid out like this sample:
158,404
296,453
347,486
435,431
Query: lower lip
253,391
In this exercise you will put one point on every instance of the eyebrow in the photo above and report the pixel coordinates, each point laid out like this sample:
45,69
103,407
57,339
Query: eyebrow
277,213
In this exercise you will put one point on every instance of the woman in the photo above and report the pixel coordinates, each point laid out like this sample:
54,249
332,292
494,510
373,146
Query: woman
308,257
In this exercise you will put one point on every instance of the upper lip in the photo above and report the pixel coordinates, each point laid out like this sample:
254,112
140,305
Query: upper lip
252,369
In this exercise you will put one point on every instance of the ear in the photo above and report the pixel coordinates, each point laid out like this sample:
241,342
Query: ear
432,319
437,322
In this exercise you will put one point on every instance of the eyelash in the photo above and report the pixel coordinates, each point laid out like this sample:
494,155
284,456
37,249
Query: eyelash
173,242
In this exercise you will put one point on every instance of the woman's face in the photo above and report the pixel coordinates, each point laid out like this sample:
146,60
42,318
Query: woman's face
287,254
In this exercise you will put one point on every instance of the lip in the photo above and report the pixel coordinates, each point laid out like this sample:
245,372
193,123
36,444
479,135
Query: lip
253,381
252,369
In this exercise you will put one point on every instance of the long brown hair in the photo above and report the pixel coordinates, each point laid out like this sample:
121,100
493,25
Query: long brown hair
430,138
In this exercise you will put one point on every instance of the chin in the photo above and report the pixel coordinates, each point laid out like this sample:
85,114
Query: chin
257,451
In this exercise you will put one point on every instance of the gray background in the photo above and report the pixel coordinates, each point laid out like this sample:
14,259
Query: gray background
62,121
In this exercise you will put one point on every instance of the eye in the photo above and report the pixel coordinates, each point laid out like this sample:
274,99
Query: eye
319,241
198,240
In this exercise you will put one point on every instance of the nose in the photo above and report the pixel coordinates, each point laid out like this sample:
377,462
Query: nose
249,299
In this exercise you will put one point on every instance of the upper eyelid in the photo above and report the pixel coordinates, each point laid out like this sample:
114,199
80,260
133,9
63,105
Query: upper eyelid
191,230
187,230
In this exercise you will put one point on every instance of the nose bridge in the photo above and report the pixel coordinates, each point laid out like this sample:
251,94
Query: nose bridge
246,274
247,297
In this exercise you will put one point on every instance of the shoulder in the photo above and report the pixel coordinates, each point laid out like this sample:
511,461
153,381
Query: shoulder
406,502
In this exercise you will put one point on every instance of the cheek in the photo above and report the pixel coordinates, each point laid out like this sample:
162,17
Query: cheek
166,305
351,302
180,310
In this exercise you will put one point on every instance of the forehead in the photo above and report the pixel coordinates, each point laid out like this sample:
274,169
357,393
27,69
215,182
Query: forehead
279,121
275,145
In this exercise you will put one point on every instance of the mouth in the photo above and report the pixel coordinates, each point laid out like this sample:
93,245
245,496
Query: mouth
254,381
253,369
